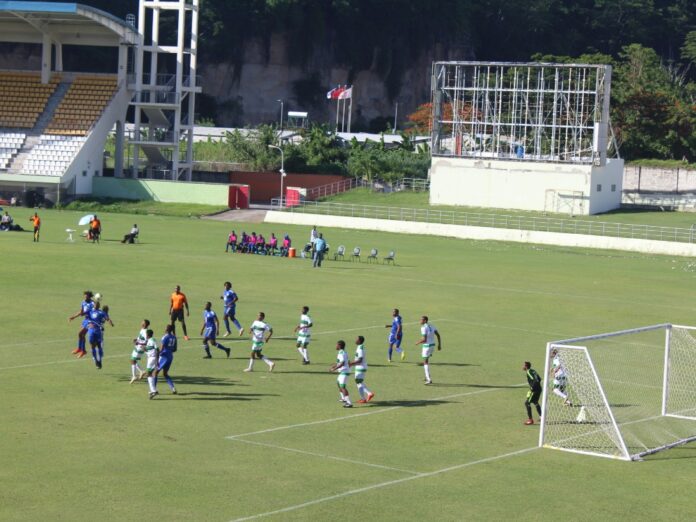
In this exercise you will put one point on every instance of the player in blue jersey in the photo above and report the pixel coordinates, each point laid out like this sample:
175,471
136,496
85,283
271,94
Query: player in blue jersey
98,317
209,331
166,356
94,337
229,298
395,336
86,307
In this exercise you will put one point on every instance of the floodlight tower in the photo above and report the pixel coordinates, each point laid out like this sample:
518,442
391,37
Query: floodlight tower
164,103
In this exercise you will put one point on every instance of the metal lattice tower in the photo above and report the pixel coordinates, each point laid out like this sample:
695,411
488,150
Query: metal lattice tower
164,102
521,111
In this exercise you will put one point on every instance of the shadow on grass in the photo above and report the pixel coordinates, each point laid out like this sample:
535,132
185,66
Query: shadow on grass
217,396
411,403
192,380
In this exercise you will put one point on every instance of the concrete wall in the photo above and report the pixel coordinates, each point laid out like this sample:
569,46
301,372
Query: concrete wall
164,191
482,233
606,186
266,185
654,179
551,187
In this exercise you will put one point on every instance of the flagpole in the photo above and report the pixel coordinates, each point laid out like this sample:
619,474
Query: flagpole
350,108
343,117
338,103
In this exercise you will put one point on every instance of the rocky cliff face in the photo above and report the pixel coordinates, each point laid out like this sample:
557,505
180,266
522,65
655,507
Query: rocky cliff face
249,94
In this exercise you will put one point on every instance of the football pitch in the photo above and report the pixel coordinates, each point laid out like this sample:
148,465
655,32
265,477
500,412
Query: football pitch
81,444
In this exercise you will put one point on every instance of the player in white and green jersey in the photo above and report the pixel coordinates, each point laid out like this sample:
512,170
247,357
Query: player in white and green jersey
304,334
152,353
360,364
138,350
427,342
560,379
342,366
258,331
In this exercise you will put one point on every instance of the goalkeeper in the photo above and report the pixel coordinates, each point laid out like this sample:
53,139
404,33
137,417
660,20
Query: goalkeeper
534,392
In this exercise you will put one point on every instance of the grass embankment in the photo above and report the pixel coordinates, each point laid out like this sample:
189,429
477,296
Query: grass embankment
119,206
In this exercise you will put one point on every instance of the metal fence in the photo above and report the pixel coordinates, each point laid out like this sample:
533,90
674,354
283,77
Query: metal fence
543,224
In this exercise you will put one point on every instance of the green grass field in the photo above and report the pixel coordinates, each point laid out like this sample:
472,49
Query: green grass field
81,444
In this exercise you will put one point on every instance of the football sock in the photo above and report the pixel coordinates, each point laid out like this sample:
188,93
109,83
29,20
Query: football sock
133,367
183,326
151,383
398,349
267,360
562,395
251,364
236,323
426,367
390,353
302,353
529,410
361,390
346,399
100,353
81,343
305,354
207,350
155,380
94,354
227,325
170,382
341,398
220,347
538,407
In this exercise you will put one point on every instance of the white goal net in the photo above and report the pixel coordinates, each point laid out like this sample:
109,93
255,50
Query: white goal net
622,394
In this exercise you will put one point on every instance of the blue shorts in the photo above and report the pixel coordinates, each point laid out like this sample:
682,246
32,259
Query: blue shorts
165,361
230,311
85,322
396,341
209,333
94,336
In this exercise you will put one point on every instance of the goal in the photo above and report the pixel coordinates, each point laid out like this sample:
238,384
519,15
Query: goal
621,395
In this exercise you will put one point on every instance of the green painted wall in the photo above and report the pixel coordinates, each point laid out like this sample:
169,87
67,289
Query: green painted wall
165,191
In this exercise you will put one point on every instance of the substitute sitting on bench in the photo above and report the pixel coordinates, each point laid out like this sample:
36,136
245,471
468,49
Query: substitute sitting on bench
132,235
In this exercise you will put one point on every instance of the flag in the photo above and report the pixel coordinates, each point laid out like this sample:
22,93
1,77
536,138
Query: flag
346,93
334,94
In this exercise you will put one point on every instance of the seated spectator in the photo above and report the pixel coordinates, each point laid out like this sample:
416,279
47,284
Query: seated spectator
94,229
272,246
252,243
232,242
6,222
244,243
132,235
287,243
261,244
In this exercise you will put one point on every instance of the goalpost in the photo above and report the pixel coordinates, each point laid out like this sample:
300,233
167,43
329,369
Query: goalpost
621,395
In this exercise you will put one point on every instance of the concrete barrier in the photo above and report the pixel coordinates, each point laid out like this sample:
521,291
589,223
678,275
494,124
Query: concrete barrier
645,246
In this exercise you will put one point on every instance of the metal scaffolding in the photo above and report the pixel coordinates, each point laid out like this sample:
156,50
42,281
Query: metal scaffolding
521,111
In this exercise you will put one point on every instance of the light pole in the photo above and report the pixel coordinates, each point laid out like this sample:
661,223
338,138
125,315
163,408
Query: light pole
281,117
282,172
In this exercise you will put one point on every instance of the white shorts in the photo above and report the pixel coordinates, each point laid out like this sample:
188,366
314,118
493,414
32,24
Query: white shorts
136,354
342,379
151,363
427,351
360,374
303,340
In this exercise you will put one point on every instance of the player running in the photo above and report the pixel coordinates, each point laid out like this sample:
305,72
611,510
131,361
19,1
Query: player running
534,392
560,378
152,353
166,356
229,298
342,366
209,331
86,307
304,334
395,336
360,363
258,331
138,350
427,342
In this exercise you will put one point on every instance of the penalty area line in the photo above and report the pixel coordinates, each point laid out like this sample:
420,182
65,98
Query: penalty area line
387,484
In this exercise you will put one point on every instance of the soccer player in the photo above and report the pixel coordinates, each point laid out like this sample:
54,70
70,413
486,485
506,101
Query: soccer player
166,356
36,222
360,363
304,334
177,303
534,392
560,379
342,366
86,307
152,353
94,337
258,330
138,350
427,342
98,317
209,331
395,336
229,298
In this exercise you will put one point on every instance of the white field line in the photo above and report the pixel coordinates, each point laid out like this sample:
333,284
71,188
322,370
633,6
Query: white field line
54,341
386,484
326,456
347,417
65,361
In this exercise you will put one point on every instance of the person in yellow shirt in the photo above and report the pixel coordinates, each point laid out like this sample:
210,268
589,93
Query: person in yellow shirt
36,221
177,303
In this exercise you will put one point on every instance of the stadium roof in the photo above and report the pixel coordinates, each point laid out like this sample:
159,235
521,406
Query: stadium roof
65,23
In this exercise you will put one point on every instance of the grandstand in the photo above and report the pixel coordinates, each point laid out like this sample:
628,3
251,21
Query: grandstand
54,123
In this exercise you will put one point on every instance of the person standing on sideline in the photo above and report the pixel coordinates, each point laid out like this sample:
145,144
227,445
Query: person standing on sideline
36,222
258,330
229,299
395,336
427,342
166,357
313,235
534,392
319,248
342,366
304,334
177,303
152,352
360,363
209,331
